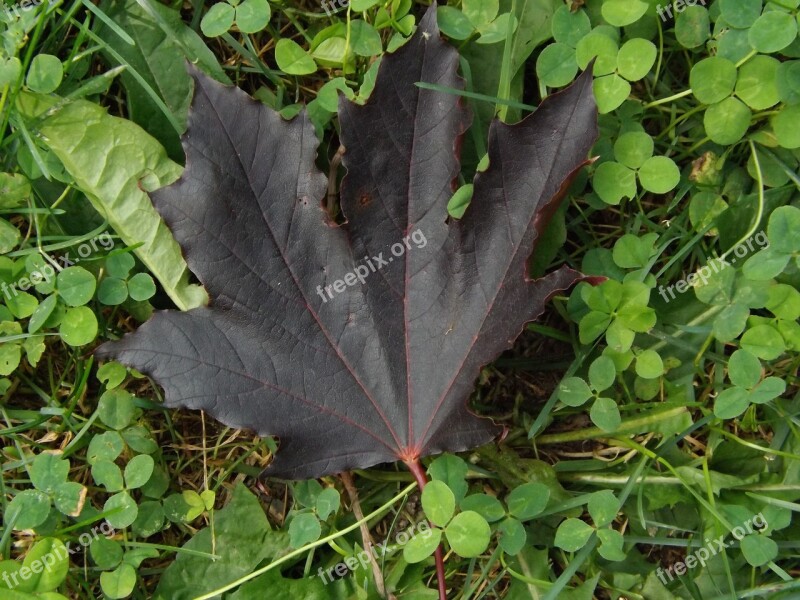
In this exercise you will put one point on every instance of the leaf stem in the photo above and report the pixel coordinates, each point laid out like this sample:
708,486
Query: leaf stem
419,474
631,426
677,96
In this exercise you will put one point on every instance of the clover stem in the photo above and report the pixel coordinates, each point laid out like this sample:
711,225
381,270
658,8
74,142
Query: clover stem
415,466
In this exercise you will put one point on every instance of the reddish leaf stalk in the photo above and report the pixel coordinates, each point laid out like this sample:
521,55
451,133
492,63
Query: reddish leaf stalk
415,466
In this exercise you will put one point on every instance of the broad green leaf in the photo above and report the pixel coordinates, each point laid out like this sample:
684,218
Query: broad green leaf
731,402
782,230
9,236
713,79
468,534
150,519
10,68
528,500
787,80
112,160
784,302
489,507
602,47
252,15
556,65
304,529
454,23
120,265
726,122
534,28
623,12
292,59
141,287
570,27
765,265
649,365
42,313
364,40
242,539
611,542
659,174
48,471
107,474
730,323
164,43
512,535
112,291
45,73
613,181
744,369
27,509
605,414
460,200
635,59
764,341
138,471
603,507
757,85
116,408
633,148
610,91
105,553
773,31
758,549
572,534
421,546
692,26
767,390
78,326
120,582
574,391
76,286
105,446
602,373
22,304
634,251
123,510
497,30
740,13
786,125
480,12
69,498
14,189
452,470
53,555
218,19
438,502
327,502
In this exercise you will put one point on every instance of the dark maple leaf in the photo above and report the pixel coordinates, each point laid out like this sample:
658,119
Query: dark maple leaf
357,344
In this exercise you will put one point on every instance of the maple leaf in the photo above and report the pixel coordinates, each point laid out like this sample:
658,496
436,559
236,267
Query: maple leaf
359,343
